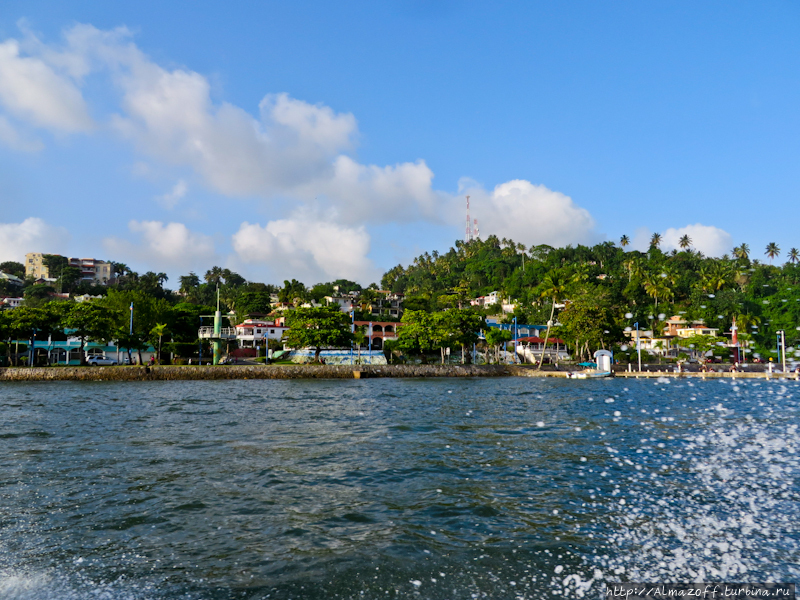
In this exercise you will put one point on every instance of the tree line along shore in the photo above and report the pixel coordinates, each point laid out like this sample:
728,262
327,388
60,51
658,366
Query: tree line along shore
590,297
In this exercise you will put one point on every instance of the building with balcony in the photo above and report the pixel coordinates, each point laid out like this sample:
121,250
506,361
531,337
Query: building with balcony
92,270
253,333
377,332
388,303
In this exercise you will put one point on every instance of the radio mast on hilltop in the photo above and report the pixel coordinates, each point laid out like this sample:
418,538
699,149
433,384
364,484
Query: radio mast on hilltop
468,233
476,234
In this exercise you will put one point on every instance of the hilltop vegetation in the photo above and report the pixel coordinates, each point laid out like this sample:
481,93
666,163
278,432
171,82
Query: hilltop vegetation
601,284
590,294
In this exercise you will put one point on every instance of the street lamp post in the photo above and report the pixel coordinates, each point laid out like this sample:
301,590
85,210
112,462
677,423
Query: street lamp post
515,341
352,330
638,346
130,338
782,348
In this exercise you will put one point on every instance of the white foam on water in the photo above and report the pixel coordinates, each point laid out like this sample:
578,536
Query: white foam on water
724,508
46,586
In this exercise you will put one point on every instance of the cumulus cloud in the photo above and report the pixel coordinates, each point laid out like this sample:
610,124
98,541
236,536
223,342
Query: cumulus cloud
34,91
10,137
163,246
532,214
32,235
170,199
304,247
291,148
710,240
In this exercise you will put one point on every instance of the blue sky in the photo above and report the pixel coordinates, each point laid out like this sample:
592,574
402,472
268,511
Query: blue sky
320,140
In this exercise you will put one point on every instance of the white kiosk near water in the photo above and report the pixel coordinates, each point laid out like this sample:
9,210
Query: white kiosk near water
603,361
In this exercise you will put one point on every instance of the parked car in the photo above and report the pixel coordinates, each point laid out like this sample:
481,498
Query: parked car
100,361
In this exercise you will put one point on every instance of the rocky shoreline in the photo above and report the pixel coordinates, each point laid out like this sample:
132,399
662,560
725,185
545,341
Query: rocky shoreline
188,373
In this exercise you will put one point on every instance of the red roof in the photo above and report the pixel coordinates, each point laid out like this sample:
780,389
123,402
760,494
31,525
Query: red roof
537,340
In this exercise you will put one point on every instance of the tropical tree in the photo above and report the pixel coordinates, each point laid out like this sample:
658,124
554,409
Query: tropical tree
552,287
655,240
415,336
794,255
657,286
188,283
26,321
359,339
291,290
589,320
214,276
148,311
158,331
685,242
496,337
458,327
13,268
624,241
772,250
89,321
318,327
742,252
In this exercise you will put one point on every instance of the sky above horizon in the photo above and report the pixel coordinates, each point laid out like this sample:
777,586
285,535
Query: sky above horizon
323,141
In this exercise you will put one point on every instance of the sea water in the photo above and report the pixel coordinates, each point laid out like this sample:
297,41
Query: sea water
394,488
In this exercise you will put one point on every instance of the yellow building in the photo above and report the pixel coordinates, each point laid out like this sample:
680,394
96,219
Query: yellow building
92,269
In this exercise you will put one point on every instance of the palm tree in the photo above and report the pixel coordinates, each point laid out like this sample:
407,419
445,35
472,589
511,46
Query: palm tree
794,255
634,267
685,242
188,283
214,275
553,287
742,252
772,250
624,241
656,286
159,331
655,240
521,248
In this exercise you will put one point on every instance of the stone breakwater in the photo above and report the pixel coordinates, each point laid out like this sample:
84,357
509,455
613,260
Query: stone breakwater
188,373
176,373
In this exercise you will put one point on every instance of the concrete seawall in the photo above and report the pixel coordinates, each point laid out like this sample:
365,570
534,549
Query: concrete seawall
175,373
189,373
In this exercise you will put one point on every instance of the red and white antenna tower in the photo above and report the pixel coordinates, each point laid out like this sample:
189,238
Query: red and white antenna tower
476,233
468,234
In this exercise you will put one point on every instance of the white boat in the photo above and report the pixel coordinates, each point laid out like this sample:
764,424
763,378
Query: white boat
588,374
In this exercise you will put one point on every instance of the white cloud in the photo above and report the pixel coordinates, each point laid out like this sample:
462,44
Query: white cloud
170,199
710,240
163,246
531,214
34,91
306,248
292,148
32,235
10,137
641,239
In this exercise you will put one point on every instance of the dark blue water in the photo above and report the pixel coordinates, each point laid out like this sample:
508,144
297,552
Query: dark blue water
484,488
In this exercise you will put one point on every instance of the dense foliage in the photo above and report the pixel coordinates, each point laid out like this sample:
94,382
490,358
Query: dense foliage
588,291
585,295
